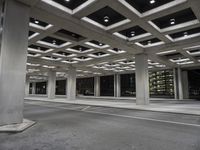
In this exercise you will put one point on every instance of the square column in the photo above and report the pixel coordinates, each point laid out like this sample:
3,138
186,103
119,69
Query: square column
51,90
27,86
33,88
71,84
185,85
97,86
117,85
13,57
180,84
142,79
175,83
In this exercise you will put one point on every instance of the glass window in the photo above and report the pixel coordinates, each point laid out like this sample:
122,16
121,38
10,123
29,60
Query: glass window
194,84
41,88
30,88
161,84
107,85
85,86
127,85
61,87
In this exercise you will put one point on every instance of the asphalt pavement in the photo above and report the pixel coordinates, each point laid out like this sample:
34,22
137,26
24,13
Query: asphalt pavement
79,127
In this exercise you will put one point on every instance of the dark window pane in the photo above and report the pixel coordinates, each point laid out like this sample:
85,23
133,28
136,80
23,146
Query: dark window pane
61,87
30,88
85,86
107,85
41,88
194,84
127,85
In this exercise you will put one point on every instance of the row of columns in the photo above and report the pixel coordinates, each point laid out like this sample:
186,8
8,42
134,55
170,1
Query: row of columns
142,83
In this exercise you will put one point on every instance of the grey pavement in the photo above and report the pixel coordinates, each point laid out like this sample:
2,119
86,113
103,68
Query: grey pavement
77,127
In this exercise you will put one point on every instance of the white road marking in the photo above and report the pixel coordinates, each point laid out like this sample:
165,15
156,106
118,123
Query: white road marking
84,109
124,116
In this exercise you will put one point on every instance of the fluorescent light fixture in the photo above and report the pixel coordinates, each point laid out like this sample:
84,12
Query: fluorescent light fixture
185,63
166,52
179,60
53,59
40,27
32,36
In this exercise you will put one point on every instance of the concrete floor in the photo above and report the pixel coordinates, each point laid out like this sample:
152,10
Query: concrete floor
77,127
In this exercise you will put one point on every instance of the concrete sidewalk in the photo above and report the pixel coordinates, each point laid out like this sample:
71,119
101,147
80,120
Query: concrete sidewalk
183,107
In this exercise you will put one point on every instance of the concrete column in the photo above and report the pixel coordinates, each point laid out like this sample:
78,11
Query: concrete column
180,84
185,85
142,79
97,86
175,83
51,90
71,84
33,87
13,57
117,85
27,86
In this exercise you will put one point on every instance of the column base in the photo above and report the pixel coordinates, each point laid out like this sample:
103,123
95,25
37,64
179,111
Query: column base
17,127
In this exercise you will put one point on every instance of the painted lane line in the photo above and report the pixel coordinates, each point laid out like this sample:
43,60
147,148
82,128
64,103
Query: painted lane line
84,109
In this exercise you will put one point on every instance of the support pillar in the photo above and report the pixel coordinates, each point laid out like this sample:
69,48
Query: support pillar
185,85
33,88
175,83
27,86
117,85
97,86
13,57
51,90
180,84
142,79
71,84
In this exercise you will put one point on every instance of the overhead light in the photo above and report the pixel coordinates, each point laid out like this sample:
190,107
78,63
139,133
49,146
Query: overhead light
152,1
185,34
172,21
36,21
106,19
132,33
67,0
100,44
54,42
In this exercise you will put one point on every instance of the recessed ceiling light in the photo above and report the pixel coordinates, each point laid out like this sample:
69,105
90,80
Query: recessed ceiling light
132,33
67,0
172,21
185,34
54,42
36,21
106,19
152,1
